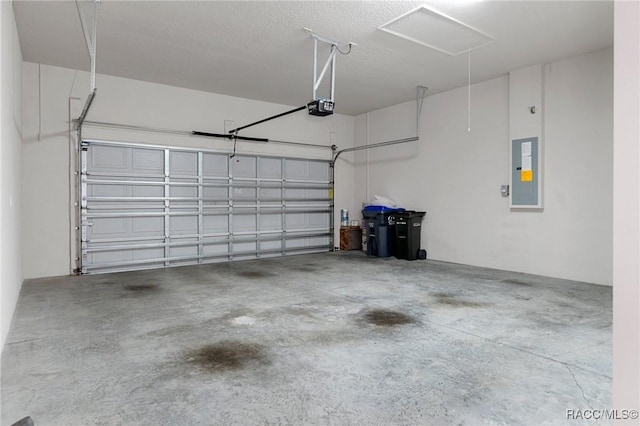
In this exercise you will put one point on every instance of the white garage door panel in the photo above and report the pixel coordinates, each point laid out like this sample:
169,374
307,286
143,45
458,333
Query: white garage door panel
183,163
215,249
109,158
215,224
151,206
215,165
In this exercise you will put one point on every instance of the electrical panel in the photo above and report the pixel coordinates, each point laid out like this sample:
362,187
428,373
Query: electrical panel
525,173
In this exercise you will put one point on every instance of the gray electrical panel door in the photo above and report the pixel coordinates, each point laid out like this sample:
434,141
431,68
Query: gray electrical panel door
145,206
525,173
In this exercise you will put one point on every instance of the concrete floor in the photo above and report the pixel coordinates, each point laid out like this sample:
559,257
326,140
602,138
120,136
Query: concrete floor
328,339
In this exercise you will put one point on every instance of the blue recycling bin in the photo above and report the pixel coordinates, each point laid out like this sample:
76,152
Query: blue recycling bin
381,233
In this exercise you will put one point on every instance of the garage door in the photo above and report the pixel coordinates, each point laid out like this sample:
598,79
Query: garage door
145,206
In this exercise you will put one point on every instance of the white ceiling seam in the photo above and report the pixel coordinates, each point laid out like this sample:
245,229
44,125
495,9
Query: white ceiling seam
433,29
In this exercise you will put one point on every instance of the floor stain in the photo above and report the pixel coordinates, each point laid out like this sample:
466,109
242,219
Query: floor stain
141,287
444,295
450,299
384,318
516,282
522,297
227,355
254,274
304,269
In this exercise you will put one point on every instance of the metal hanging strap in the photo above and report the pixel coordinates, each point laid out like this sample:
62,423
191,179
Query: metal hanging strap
90,31
420,94
330,62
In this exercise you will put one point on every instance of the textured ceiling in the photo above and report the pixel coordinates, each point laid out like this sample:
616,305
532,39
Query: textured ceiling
258,50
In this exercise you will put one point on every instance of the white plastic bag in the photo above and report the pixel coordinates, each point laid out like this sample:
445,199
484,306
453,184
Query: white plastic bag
379,200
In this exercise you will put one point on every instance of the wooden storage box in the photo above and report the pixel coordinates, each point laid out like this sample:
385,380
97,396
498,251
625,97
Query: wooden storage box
350,238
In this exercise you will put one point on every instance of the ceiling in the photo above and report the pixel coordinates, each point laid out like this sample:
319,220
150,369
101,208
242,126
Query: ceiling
259,50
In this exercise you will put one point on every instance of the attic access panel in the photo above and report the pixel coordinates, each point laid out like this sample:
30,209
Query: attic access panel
435,30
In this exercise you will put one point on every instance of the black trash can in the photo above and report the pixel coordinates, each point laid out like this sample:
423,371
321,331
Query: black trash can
408,225
381,233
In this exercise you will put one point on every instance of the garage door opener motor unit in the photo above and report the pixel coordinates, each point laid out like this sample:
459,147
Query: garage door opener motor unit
320,106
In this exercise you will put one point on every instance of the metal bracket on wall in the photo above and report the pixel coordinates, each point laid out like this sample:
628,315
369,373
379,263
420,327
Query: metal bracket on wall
421,91
88,13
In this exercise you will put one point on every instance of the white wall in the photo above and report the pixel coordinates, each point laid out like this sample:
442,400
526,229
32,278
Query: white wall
50,92
455,175
626,205
10,153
